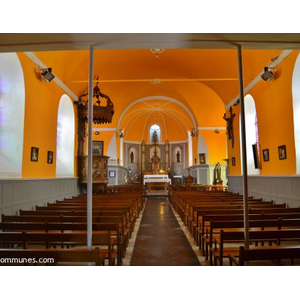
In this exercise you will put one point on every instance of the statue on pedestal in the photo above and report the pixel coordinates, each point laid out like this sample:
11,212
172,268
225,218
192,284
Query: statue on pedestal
155,163
154,137
217,174
131,157
178,156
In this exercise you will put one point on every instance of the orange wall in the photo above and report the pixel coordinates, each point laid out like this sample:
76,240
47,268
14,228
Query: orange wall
274,104
274,112
40,124
274,107
216,145
106,137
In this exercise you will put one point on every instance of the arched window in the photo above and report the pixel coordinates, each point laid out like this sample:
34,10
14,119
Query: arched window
65,138
296,108
252,139
12,104
155,133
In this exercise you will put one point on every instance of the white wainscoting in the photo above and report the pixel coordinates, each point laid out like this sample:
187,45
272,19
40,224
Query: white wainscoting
281,189
204,174
16,194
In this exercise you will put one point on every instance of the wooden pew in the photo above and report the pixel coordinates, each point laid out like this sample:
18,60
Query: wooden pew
130,212
71,239
48,212
216,227
264,253
275,213
81,211
71,219
192,218
205,219
276,236
229,225
51,256
63,227
124,231
135,201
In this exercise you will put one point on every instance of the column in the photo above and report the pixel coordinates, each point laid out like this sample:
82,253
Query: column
143,155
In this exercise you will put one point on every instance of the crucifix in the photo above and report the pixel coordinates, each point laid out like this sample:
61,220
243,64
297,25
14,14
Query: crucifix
229,121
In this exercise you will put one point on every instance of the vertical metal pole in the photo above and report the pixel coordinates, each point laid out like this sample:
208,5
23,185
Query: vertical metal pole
244,151
90,155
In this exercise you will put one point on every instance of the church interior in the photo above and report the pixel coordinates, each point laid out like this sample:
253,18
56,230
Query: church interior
182,123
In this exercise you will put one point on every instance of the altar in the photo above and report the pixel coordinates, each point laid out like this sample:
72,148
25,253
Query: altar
156,181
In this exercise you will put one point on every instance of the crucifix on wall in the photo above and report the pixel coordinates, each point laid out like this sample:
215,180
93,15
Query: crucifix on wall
229,121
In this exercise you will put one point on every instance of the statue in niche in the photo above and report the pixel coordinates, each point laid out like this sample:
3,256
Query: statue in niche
154,137
217,173
178,156
131,157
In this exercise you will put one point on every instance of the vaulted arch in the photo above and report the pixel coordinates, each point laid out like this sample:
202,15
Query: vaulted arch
167,112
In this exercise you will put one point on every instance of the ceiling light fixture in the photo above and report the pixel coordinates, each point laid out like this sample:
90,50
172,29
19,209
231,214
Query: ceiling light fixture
268,74
157,51
156,81
193,132
46,74
121,134
237,102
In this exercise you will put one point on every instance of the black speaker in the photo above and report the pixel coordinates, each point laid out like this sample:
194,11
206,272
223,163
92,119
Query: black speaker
48,75
255,156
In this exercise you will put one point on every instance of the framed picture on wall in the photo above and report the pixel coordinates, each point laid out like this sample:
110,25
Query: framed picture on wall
233,161
112,174
50,157
282,152
266,154
34,155
98,148
202,158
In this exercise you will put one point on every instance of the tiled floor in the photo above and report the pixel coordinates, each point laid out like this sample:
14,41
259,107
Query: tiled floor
160,240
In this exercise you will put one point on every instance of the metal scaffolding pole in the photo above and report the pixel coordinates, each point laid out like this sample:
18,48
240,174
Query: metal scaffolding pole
244,151
90,154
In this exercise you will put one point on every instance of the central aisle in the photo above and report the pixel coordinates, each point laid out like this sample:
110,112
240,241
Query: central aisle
160,241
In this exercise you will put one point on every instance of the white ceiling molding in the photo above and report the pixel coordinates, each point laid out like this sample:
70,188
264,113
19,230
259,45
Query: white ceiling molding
211,128
104,129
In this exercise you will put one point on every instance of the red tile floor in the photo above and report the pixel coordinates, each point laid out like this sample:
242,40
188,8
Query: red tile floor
160,240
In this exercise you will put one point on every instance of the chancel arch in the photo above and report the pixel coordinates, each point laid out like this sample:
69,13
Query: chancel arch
137,118
157,124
